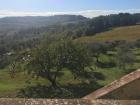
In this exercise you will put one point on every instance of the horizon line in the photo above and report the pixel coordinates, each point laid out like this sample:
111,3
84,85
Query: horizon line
85,13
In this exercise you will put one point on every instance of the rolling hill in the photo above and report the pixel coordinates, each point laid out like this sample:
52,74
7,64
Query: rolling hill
36,21
128,33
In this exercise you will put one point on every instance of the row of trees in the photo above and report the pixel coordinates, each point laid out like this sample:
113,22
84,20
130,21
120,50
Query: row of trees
95,25
56,56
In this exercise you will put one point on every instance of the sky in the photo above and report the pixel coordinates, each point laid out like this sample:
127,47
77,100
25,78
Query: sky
88,8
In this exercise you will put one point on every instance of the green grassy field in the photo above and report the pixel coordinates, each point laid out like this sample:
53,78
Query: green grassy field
10,86
128,33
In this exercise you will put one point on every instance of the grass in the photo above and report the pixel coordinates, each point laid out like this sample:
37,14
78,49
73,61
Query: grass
128,33
10,86
110,75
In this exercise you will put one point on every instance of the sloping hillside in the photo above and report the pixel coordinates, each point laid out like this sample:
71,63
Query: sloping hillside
36,21
128,33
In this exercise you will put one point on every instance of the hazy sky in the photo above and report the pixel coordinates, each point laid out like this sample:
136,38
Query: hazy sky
86,7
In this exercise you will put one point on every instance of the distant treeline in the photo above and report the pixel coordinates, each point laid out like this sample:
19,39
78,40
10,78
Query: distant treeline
80,26
70,25
95,25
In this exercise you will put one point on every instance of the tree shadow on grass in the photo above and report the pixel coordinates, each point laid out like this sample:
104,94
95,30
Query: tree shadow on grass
106,65
67,91
138,54
127,71
98,76
92,75
83,89
110,55
42,91
59,74
137,61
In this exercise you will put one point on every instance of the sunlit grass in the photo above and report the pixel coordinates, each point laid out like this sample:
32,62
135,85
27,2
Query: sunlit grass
128,33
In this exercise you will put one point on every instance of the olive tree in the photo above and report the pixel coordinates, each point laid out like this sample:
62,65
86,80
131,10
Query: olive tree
124,56
51,57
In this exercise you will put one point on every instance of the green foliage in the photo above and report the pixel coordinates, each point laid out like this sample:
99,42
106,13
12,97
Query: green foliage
97,49
14,68
41,91
90,27
68,91
53,56
124,56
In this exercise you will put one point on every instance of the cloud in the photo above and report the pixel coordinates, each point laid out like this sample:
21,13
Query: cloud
86,13
95,13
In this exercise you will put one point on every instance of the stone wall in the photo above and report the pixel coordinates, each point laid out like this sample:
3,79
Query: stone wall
66,102
126,88
4,101
115,102
130,91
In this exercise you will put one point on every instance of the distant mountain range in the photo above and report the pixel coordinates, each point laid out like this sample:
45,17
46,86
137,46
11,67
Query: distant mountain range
36,21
